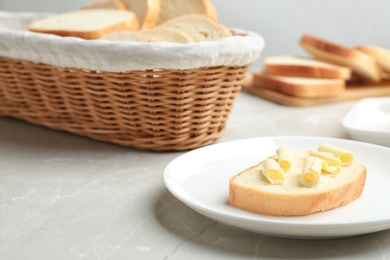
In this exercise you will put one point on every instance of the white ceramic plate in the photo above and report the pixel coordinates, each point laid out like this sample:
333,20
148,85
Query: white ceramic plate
369,121
200,178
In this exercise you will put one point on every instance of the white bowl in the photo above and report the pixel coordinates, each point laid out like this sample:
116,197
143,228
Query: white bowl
369,121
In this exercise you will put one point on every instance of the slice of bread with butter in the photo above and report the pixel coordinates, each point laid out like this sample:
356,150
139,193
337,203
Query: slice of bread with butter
297,183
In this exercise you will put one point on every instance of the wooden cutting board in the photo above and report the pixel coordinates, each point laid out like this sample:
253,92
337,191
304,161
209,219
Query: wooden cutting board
352,92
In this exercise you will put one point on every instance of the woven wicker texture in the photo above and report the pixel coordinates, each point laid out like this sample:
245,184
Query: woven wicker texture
157,110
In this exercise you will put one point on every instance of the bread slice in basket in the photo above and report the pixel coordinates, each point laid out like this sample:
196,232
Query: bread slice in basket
171,9
147,11
150,35
168,35
125,36
199,27
295,66
87,23
251,190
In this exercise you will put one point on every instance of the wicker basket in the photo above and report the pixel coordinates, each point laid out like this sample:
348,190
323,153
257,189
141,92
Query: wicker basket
157,109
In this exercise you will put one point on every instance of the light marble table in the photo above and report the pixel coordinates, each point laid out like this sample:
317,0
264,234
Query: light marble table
69,197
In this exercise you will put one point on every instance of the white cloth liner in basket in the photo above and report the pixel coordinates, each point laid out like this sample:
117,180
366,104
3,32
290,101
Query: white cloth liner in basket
18,43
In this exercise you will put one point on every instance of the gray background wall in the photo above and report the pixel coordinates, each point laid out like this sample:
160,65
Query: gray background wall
280,22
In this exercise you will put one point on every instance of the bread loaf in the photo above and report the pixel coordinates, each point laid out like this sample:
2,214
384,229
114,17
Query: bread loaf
87,23
294,66
363,65
250,190
298,86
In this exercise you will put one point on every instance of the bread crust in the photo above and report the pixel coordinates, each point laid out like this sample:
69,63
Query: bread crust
130,24
306,71
259,200
327,46
152,14
147,14
326,89
362,64
296,66
91,35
